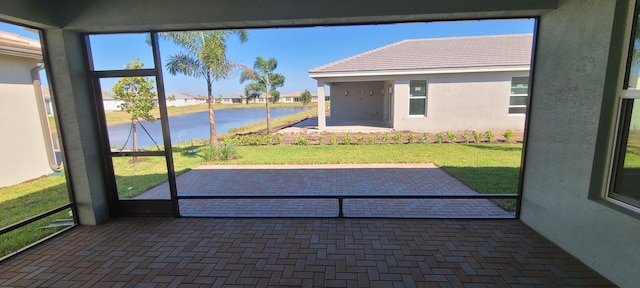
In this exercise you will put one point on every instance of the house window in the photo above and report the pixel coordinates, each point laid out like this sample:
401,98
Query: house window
418,97
625,174
519,94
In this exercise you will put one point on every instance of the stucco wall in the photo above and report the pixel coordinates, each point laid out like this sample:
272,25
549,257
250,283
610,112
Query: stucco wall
22,149
570,70
358,104
457,102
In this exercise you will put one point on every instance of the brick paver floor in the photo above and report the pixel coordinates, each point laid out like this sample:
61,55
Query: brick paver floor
349,179
298,252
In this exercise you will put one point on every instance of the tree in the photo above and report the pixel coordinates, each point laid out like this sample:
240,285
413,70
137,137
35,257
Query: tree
249,94
204,56
305,97
137,96
263,80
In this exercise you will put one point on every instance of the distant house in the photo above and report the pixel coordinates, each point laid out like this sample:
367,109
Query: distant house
232,99
289,97
177,99
108,102
48,104
432,85
22,112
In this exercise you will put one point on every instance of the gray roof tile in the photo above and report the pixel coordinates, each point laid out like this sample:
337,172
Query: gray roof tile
439,53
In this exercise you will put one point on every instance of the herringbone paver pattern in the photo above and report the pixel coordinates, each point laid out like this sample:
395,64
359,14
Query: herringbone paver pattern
304,252
343,179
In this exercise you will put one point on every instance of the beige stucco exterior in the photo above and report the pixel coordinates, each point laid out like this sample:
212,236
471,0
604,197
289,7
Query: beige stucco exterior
455,101
22,149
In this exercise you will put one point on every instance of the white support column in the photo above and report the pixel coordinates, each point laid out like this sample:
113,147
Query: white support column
322,116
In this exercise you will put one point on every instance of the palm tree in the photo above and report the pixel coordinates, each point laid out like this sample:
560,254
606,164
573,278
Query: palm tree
263,80
204,56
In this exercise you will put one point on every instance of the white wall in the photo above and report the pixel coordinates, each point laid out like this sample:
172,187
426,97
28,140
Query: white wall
111,105
22,149
358,104
571,71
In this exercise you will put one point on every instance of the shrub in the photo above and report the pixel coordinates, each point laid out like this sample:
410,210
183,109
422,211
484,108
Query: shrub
222,151
385,138
321,139
245,140
360,139
466,137
452,136
489,135
228,151
397,138
508,136
278,139
439,137
424,138
411,138
372,139
477,137
300,140
333,139
267,139
256,140
346,139
209,152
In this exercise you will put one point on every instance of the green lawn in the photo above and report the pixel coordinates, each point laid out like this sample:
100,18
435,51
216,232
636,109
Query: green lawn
632,157
22,201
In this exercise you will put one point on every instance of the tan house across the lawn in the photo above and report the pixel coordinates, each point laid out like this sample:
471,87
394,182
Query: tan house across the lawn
432,85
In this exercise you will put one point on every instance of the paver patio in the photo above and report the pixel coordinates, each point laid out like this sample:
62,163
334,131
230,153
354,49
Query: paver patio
288,252
342,179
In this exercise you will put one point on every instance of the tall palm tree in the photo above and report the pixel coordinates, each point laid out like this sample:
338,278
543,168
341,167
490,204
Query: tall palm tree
263,80
204,56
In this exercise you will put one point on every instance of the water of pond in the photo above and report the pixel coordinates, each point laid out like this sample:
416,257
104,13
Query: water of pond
192,126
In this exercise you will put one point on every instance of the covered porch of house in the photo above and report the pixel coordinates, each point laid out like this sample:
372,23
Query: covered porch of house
356,106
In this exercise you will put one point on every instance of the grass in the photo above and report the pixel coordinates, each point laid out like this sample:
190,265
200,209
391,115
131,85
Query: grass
134,178
632,157
25,200
30,198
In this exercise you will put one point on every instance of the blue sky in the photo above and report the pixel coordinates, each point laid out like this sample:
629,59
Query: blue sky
296,49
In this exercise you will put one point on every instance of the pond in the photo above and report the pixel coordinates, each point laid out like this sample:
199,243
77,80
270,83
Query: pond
186,127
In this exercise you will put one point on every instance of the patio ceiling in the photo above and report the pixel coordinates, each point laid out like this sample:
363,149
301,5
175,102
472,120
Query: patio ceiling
126,16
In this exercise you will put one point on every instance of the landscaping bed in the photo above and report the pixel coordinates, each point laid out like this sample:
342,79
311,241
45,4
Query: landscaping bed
314,137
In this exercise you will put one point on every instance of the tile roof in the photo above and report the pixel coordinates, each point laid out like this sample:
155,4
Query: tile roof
439,53
233,96
181,95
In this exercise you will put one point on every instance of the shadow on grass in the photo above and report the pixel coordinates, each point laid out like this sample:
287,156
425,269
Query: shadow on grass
28,205
494,147
33,203
489,180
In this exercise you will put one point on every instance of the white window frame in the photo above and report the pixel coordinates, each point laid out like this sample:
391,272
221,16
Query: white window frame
625,93
425,97
517,95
